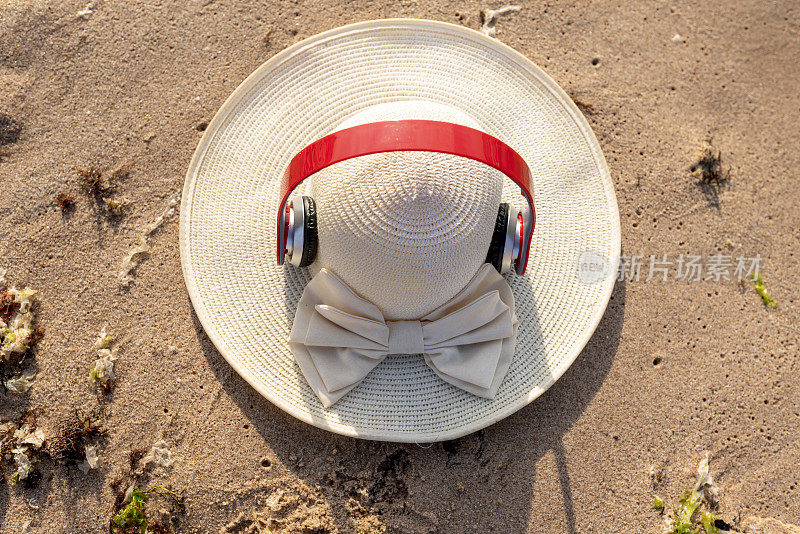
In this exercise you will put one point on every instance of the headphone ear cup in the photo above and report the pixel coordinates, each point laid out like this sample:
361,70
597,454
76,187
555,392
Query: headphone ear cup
310,238
496,248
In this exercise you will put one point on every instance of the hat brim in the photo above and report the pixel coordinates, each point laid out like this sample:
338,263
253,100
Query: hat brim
246,302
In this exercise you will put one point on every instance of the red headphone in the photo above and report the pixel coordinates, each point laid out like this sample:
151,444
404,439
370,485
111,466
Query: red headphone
297,225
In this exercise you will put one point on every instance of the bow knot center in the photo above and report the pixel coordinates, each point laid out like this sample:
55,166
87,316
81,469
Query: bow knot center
405,337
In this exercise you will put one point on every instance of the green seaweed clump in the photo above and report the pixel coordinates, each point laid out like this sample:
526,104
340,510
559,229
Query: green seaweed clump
708,520
658,504
133,516
695,511
762,291
687,505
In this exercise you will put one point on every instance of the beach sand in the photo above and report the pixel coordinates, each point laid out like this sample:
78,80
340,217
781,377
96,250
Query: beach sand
675,368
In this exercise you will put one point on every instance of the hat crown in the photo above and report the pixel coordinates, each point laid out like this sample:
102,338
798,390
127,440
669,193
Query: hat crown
406,230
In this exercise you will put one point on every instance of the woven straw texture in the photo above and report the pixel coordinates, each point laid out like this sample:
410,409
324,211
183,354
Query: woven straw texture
246,303
406,230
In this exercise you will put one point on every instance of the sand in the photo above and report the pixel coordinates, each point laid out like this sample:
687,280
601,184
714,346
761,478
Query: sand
675,368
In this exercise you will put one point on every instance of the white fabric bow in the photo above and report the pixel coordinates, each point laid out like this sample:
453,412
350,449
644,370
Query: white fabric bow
338,337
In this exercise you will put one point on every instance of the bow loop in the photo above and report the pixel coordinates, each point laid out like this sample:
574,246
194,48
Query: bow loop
331,327
338,337
473,323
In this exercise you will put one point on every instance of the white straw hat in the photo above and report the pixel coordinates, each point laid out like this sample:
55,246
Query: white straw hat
406,231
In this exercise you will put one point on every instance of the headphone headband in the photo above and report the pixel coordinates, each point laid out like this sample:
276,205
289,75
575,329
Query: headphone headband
409,135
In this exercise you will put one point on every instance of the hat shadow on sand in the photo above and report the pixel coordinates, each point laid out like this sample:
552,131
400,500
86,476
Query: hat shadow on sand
463,469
